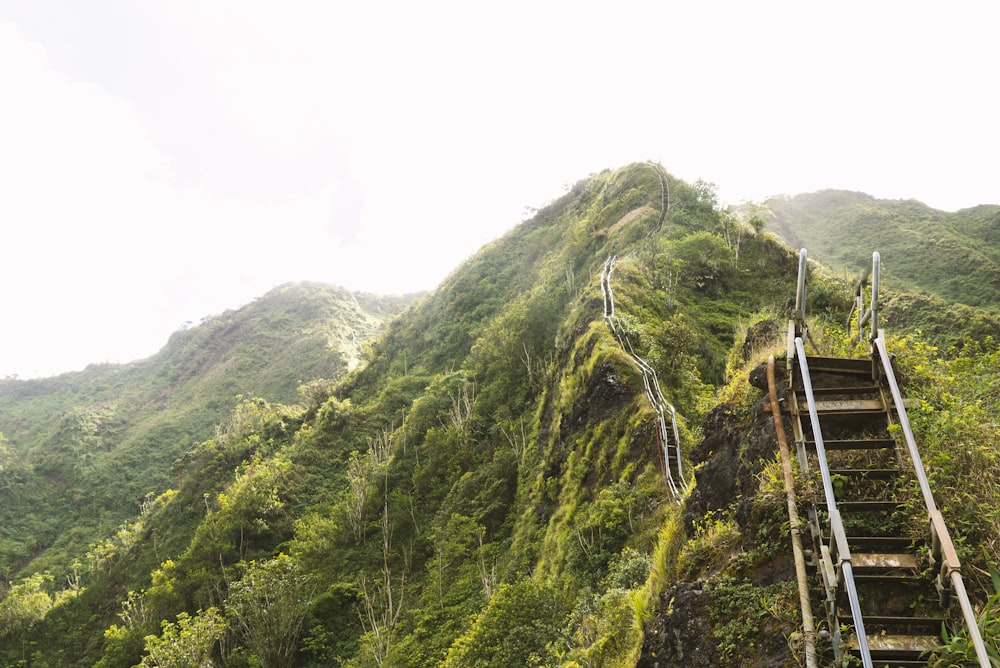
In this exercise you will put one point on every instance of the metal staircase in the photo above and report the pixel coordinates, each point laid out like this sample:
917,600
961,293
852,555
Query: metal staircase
671,461
888,568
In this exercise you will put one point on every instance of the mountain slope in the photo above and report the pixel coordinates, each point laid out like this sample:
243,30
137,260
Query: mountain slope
494,459
954,256
89,446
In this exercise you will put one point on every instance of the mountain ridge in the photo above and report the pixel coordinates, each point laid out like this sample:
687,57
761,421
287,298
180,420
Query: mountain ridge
138,417
950,255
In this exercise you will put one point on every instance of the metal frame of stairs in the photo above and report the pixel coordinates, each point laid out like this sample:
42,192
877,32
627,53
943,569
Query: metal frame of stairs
872,570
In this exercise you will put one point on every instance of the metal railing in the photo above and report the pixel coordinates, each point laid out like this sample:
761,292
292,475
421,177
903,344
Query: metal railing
666,416
664,193
949,576
836,565
866,315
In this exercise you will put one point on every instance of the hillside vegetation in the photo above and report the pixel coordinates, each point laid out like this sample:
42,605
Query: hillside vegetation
82,450
485,489
953,256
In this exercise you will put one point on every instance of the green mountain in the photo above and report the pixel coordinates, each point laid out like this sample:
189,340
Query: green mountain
82,450
487,488
953,256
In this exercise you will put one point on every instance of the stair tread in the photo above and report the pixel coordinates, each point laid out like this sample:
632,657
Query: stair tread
881,473
867,388
872,621
903,542
849,406
886,560
855,444
894,643
839,364
867,505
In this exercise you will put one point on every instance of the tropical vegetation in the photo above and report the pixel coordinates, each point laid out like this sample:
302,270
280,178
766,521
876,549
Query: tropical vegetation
485,487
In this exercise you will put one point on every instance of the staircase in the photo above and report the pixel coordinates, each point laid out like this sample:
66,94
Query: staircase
898,605
886,563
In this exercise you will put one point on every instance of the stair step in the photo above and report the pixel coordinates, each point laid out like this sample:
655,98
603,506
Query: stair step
839,365
849,405
889,646
844,389
874,474
875,543
856,444
867,506
876,625
884,561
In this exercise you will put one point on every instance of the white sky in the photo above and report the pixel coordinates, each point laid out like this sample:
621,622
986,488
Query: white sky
162,161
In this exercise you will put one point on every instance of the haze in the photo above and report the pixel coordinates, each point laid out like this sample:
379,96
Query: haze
164,161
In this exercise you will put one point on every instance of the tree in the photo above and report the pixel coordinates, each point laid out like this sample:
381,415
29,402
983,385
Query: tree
267,607
186,643
26,604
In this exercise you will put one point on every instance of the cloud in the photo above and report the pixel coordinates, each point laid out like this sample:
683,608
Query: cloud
104,253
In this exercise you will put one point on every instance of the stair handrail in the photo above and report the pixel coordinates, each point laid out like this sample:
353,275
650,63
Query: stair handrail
942,548
837,532
799,315
949,576
870,314
664,193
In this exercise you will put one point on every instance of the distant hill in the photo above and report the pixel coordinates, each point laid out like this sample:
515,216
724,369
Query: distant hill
87,446
954,256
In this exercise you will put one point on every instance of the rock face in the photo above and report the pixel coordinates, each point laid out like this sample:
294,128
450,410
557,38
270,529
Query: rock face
728,459
686,630
681,634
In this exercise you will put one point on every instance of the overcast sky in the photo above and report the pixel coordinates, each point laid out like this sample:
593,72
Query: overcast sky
162,161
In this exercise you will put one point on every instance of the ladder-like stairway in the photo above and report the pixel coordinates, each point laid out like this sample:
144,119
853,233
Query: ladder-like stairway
879,544
898,603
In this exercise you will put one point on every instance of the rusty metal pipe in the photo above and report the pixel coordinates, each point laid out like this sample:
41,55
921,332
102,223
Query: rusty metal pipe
808,625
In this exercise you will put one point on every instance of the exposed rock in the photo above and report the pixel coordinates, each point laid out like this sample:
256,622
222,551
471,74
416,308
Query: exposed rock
686,631
728,459
762,334
681,634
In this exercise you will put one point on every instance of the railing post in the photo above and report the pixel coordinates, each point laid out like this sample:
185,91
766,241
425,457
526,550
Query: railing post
800,296
876,271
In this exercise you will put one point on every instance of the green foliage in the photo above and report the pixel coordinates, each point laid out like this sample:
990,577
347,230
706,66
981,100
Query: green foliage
601,529
957,649
186,643
740,611
98,441
953,410
716,537
268,606
517,628
25,605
